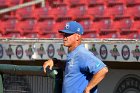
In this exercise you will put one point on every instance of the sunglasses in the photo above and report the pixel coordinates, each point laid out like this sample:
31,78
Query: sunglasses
66,34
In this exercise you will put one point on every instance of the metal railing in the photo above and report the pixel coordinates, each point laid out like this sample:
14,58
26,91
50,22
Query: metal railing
29,79
22,6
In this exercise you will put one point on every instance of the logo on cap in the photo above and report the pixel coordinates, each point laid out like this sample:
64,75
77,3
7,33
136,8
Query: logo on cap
67,26
78,29
73,27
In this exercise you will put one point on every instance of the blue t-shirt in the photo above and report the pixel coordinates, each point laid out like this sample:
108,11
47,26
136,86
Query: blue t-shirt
81,65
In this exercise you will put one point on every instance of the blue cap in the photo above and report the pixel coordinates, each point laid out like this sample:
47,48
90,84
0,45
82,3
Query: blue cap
73,27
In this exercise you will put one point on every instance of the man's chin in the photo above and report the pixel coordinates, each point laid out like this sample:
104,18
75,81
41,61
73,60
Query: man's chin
65,45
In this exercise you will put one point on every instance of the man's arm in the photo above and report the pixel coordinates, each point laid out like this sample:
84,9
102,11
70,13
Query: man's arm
53,62
59,63
96,79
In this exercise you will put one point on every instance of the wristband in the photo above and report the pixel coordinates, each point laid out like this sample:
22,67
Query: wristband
55,60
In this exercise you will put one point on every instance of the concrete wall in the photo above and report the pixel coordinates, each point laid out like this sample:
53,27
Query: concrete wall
121,81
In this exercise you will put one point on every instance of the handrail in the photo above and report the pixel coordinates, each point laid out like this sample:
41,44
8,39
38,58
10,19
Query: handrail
22,5
10,68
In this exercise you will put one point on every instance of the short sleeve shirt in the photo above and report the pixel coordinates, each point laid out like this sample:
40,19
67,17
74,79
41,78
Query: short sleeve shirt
81,65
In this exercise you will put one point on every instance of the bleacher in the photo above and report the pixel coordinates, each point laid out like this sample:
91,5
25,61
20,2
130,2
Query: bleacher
29,36
100,18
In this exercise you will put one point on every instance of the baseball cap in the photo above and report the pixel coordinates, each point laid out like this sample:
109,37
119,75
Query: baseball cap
73,27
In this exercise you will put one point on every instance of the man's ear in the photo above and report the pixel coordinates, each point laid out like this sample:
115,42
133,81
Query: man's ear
78,37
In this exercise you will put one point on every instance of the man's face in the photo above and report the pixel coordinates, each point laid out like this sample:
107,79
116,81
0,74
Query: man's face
68,39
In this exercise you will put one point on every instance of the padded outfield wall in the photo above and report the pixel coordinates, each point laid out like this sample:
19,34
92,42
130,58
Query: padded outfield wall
121,56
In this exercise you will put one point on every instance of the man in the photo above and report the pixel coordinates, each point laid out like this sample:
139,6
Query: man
83,71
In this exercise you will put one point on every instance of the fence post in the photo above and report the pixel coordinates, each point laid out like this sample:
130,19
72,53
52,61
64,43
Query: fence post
1,84
58,81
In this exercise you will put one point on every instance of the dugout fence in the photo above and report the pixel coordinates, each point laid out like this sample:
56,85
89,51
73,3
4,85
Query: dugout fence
29,79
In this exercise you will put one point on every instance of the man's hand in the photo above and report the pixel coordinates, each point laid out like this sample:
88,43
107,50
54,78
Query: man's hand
49,64
96,79
86,90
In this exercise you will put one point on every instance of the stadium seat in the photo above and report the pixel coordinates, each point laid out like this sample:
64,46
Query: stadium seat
117,10
101,24
87,23
1,25
92,34
109,33
104,23
1,29
62,9
8,28
13,2
105,28
134,31
96,2
137,10
129,11
26,28
45,28
78,12
45,13
133,11
25,13
91,28
3,4
132,2
135,25
114,2
130,34
100,18
74,3
124,23
96,10
63,12
54,3
124,26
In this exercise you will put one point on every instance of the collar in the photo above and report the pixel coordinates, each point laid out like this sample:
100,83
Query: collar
75,51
